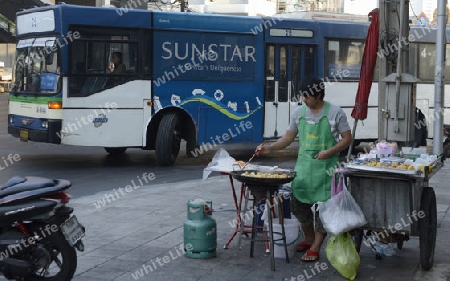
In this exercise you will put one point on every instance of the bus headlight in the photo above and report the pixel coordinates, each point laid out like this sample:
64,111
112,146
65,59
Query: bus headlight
11,119
44,124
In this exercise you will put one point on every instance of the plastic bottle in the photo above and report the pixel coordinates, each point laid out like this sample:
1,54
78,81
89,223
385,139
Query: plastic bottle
387,250
382,249
375,246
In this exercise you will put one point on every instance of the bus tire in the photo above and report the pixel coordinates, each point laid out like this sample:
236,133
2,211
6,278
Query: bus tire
115,150
168,140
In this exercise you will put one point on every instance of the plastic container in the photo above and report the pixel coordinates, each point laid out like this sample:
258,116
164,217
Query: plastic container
293,234
259,215
386,250
407,150
384,152
285,193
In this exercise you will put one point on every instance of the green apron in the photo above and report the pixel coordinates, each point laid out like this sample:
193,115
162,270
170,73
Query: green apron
312,183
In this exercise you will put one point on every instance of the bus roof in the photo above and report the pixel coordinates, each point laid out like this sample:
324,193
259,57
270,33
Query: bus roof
80,15
213,22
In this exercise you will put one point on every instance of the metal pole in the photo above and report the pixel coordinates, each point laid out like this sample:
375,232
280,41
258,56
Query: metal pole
353,140
399,65
439,76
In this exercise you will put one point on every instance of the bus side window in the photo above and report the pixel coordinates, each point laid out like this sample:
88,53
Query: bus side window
93,85
91,68
283,87
269,91
269,94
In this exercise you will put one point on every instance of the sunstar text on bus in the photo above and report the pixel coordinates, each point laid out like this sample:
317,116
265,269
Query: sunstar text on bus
182,76
221,52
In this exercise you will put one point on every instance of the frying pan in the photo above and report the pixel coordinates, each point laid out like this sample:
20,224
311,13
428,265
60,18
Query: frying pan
253,181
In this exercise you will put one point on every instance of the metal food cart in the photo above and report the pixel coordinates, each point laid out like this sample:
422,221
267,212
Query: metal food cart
397,204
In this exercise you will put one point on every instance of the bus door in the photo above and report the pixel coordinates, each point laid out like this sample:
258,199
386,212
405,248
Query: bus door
285,66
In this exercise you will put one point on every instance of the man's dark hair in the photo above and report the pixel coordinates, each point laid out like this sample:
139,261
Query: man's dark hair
312,86
118,54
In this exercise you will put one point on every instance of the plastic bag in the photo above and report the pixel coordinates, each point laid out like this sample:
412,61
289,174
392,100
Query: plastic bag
341,213
221,161
342,255
338,186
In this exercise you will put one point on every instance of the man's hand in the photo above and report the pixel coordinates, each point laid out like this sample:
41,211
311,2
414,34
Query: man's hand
324,154
262,149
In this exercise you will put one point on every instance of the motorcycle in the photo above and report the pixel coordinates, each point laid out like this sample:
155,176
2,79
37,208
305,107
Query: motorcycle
38,232
446,137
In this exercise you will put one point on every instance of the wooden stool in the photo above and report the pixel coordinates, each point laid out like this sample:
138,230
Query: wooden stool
260,192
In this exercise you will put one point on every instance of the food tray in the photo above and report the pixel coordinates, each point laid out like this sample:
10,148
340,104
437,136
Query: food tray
383,169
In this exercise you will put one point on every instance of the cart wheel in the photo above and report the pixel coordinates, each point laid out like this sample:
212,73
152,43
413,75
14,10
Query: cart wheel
357,238
427,227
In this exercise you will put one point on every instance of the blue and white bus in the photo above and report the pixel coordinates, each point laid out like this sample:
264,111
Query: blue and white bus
207,79
188,76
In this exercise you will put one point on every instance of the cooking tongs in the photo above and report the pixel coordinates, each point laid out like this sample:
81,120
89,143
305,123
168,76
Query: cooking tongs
253,156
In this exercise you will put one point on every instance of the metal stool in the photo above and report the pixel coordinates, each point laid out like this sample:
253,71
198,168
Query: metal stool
260,192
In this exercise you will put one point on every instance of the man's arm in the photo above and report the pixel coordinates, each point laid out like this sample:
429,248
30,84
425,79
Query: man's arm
346,140
281,143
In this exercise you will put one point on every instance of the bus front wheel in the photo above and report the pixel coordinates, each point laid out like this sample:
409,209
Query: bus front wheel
168,140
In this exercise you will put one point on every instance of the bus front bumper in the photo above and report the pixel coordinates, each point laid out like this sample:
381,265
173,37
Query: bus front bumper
48,136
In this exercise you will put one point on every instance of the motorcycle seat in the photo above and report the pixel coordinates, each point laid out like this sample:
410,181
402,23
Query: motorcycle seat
22,184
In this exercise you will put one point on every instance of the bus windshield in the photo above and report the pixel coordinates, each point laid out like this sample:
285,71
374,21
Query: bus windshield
36,68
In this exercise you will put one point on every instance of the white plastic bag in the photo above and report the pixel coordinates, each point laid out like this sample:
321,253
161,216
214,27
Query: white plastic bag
341,213
222,161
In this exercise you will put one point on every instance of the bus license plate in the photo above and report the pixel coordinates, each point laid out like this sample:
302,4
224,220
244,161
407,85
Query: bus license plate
23,135
72,230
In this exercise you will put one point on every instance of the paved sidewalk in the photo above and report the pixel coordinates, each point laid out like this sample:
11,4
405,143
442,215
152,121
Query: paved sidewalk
138,236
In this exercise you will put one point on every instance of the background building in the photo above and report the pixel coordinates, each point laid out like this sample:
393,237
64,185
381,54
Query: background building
359,7
416,7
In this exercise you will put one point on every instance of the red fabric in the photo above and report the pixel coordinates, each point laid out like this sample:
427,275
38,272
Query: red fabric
367,68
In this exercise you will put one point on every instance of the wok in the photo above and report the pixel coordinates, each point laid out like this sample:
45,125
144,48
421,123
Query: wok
263,182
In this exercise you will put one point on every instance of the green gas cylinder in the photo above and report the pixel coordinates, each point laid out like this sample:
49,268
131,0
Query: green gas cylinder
200,236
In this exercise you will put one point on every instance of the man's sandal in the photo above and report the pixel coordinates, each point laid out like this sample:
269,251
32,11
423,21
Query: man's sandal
302,246
310,256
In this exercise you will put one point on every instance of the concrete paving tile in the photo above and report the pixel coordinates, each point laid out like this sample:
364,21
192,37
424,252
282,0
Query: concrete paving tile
126,265
173,275
143,255
136,241
126,217
88,278
99,240
439,271
150,233
228,273
126,276
102,273
102,253
87,263
111,243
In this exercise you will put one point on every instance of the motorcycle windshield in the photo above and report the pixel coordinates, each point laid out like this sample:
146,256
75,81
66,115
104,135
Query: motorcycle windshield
36,67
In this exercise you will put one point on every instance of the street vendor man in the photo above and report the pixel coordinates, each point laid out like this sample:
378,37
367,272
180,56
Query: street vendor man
323,131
